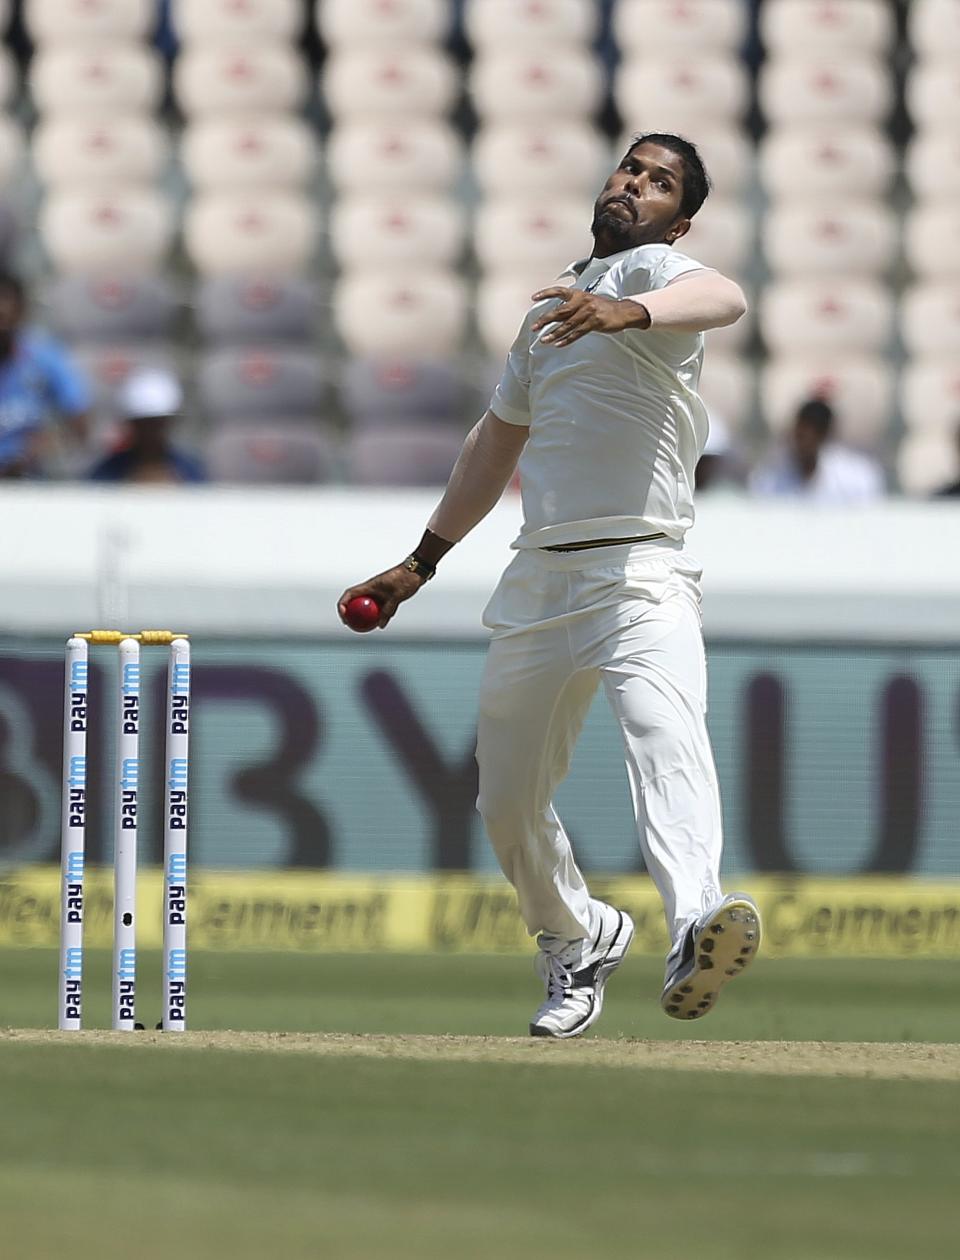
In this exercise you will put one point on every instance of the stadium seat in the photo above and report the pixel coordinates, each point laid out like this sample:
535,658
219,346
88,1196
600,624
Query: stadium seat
933,165
268,151
726,386
930,394
831,158
407,312
934,28
8,77
859,388
677,91
387,229
794,27
527,158
423,154
394,82
213,21
262,309
113,78
856,238
110,307
251,78
797,91
255,382
377,391
933,94
125,229
102,21
346,23
273,452
257,231
99,149
503,299
930,319
685,26
927,462
516,86
721,236
12,149
932,240
534,234
402,455
107,368
830,313
529,24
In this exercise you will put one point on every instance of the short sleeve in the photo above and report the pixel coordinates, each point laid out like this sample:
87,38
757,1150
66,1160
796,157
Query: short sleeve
652,267
511,398
66,385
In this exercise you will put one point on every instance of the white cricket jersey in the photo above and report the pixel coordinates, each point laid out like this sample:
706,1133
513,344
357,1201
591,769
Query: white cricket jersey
616,423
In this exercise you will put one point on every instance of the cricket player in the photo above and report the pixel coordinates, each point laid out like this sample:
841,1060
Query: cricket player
598,404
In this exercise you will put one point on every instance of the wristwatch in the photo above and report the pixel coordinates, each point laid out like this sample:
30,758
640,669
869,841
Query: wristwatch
420,567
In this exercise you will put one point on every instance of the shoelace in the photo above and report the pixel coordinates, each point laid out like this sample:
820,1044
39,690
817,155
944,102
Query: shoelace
559,977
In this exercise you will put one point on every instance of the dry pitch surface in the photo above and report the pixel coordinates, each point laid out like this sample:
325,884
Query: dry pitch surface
864,1060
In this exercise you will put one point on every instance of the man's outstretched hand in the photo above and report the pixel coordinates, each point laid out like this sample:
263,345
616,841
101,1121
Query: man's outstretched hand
580,313
388,590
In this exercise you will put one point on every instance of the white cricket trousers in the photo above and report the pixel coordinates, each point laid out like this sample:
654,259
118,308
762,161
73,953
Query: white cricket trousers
564,622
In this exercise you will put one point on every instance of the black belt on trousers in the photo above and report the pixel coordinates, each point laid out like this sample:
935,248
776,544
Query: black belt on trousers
603,542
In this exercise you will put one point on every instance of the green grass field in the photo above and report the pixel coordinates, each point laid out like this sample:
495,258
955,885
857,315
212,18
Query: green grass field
143,1149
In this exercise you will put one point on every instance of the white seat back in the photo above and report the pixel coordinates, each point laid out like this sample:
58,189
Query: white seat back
420,312
369,230
239,77
495,24
514,86
91,230
536,157
701,26
827,89
856,238
116,78
398,81
346,23
422,154
792,27
227,232
835,159
99,149
263,151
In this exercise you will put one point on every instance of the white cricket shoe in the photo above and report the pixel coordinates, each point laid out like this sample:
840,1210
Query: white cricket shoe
718,946
575,998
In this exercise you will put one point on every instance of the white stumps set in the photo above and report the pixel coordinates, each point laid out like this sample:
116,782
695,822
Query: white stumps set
126,817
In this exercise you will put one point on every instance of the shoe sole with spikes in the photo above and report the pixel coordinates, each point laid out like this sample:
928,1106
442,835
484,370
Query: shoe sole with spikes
725,943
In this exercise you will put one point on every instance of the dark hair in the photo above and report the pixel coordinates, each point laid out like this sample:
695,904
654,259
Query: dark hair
13,284
818,414
696,181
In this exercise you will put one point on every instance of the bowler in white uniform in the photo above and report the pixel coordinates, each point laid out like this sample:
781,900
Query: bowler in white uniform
598,407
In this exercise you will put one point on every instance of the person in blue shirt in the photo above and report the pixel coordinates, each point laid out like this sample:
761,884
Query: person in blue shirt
150,400
39,384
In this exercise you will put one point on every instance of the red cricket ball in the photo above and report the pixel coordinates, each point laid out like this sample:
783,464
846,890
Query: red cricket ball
362,613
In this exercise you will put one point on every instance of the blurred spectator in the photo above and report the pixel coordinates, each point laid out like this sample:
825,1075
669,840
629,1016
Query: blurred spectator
953,490
718,469
812,466
150,402
38,381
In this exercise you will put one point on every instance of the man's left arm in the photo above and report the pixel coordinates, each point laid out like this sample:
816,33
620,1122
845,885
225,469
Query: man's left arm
692,303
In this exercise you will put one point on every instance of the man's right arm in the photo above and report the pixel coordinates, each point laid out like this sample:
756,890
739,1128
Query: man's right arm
482,472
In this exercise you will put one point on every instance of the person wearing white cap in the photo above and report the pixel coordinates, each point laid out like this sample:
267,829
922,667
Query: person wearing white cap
150,402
